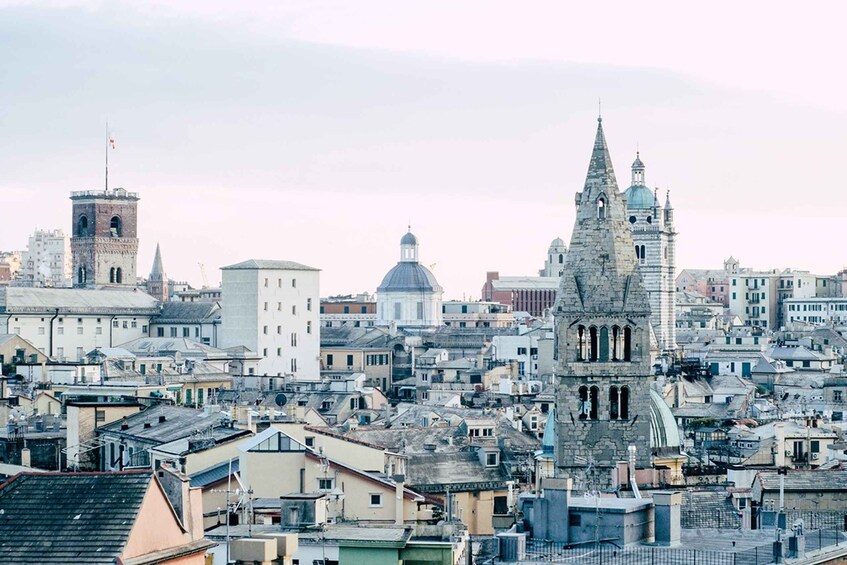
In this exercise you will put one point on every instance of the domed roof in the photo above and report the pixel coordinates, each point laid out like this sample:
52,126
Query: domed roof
409,276
639,197
664,432
558,242
409,239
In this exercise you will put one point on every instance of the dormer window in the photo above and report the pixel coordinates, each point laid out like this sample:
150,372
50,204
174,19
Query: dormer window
601,208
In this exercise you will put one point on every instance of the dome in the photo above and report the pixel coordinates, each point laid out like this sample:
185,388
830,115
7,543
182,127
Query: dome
407,276
409,239
557,243
639,197
664,433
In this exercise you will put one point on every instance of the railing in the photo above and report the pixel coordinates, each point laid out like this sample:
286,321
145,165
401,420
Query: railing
541,551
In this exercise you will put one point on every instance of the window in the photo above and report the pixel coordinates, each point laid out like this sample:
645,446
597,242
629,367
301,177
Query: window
279,306
279,283
279,352
293,283
491,459
173,332
324,484
397,310
308,327
82,227
521,350
124,324
279,330
99,416
375,499
294,365
329,360
420,310
41,330
60,330
265,352
79,330
293,309
116,227
265,330
601,209
293,340
346,309
186,332
309,304
266,282
160,332
115,323
349,360
266,306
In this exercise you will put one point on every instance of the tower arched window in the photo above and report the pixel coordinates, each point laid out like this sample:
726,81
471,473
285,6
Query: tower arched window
616,347
624,403
627,344
601,208
116,227
593,397
561,258
580,343
82,226
604,343
593,345
119,275
112,275
638,252
643,254
584,404
613,402
81,275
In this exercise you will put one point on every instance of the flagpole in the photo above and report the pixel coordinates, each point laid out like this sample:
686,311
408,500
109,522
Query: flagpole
107,155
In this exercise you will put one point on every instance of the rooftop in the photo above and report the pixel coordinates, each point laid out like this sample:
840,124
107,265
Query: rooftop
73,300
69,518
253,264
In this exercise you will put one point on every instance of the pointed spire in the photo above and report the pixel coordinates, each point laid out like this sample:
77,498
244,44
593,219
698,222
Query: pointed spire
668,201
601,173
158,269
548,442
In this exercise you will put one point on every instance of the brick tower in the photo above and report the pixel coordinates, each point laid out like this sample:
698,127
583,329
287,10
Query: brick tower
602,317
104,243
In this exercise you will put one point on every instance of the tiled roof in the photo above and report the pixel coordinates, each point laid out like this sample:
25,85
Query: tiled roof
268,264
187,312
799,479
69,518
179,423
68,300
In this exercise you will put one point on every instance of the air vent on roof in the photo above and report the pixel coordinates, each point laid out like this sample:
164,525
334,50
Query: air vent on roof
147,425
162,418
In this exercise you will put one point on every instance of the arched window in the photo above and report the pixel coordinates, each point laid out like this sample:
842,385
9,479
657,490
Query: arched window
112,275
624,403
82,226
637,252
604,343
613,403
593,337
580,343
561,258
119,276
616,337
601,208
643,254
584,404
593,398
627,344
116,227
80,277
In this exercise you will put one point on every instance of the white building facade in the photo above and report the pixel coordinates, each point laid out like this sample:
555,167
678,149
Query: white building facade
272,308
47,260
753,297
409,295
65,324
654,236
816,311
554,264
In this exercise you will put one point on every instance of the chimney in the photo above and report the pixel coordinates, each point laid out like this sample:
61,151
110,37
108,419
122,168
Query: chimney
162,419
147,425
26,460
668,510
124,424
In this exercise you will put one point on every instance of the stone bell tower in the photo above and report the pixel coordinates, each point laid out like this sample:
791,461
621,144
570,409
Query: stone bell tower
602,317
104,243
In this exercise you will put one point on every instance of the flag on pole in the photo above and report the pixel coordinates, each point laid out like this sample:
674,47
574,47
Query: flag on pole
112,141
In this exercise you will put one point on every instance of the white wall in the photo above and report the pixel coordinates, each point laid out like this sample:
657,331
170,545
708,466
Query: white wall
268,332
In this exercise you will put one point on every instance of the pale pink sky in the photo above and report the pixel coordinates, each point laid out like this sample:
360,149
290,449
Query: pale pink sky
315,131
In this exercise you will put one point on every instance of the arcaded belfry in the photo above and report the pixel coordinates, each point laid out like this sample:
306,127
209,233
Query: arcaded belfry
603,338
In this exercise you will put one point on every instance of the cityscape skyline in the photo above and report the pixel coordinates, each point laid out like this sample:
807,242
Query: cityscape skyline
293,120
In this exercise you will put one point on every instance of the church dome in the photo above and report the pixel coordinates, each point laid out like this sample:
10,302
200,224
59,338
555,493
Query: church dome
664,433
557,243
407,276
409,239
639,197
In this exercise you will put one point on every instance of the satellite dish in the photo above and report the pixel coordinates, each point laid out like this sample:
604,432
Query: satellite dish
280,399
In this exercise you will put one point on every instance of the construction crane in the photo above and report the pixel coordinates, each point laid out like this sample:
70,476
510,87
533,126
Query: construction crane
203,274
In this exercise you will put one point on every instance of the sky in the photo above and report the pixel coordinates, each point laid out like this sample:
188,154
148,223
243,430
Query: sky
318,131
